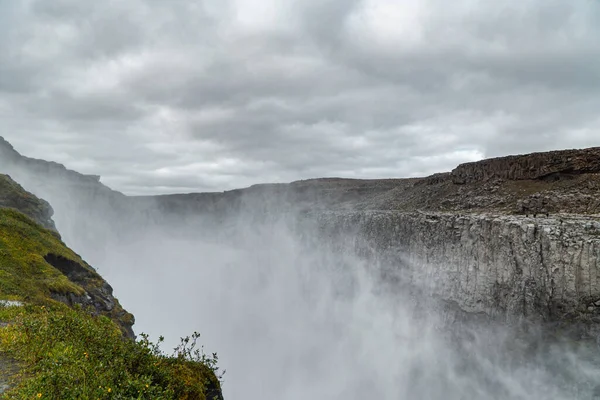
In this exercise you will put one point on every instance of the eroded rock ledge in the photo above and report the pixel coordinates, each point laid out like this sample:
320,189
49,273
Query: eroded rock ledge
547,165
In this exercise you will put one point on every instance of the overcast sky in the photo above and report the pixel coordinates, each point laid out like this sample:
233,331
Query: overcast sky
196,95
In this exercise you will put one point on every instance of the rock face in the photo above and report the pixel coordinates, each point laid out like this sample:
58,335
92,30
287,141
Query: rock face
549,165
510,237
98,296
509,267
85,210
37,268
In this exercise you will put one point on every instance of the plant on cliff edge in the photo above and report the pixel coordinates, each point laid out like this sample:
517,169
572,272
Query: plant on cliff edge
68,354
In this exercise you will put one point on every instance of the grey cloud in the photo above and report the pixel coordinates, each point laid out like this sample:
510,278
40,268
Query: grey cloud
325,20
73,108
103,29
315,91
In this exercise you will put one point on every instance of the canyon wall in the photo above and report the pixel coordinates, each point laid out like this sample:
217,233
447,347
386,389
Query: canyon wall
545,269
510,237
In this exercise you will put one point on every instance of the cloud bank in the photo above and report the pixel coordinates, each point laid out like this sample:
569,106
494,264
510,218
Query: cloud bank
211,95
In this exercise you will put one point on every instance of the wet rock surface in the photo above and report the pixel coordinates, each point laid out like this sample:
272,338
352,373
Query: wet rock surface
545,269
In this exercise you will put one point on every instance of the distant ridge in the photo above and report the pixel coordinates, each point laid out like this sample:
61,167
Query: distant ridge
11,158
530,166
565,181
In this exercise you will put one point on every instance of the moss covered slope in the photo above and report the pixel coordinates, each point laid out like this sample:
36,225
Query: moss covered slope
65,353
63,335
24,272
38,268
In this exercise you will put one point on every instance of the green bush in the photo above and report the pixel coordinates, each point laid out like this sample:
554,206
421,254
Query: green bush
68,354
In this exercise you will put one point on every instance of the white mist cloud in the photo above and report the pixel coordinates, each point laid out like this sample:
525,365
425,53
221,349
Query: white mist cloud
294,321
294,313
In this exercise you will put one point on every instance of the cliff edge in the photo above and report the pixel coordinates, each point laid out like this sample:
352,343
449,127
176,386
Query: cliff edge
53,272
12,195
510,237
551,165
62,332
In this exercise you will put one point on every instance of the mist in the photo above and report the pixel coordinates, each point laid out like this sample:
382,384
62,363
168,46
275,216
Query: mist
294,315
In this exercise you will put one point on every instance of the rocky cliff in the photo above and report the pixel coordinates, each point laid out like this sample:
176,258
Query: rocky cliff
552,165
85,210
10,159
507,267
12,195
509,237
62,332
36,266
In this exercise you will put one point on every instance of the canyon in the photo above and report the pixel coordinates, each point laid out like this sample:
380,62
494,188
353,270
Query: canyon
512,237
277,272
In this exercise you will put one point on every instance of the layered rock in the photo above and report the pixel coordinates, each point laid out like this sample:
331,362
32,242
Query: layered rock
548,165
505,266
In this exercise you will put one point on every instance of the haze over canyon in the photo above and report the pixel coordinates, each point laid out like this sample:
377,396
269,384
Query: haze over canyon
479,283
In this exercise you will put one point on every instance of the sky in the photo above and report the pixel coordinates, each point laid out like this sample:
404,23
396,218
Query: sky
210,95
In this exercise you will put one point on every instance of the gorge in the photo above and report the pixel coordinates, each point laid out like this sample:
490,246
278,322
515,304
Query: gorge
338,288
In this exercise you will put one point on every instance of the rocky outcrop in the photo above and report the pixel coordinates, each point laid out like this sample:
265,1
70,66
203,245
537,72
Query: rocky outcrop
98,295
14,196
85,210
552,165
504,266
10,159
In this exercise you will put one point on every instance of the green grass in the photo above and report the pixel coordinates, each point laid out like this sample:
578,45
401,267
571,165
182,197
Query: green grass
65,353
74,353
68,354
24,274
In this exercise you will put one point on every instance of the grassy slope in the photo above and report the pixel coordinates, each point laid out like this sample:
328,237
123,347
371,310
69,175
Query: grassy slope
24,274
68,353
